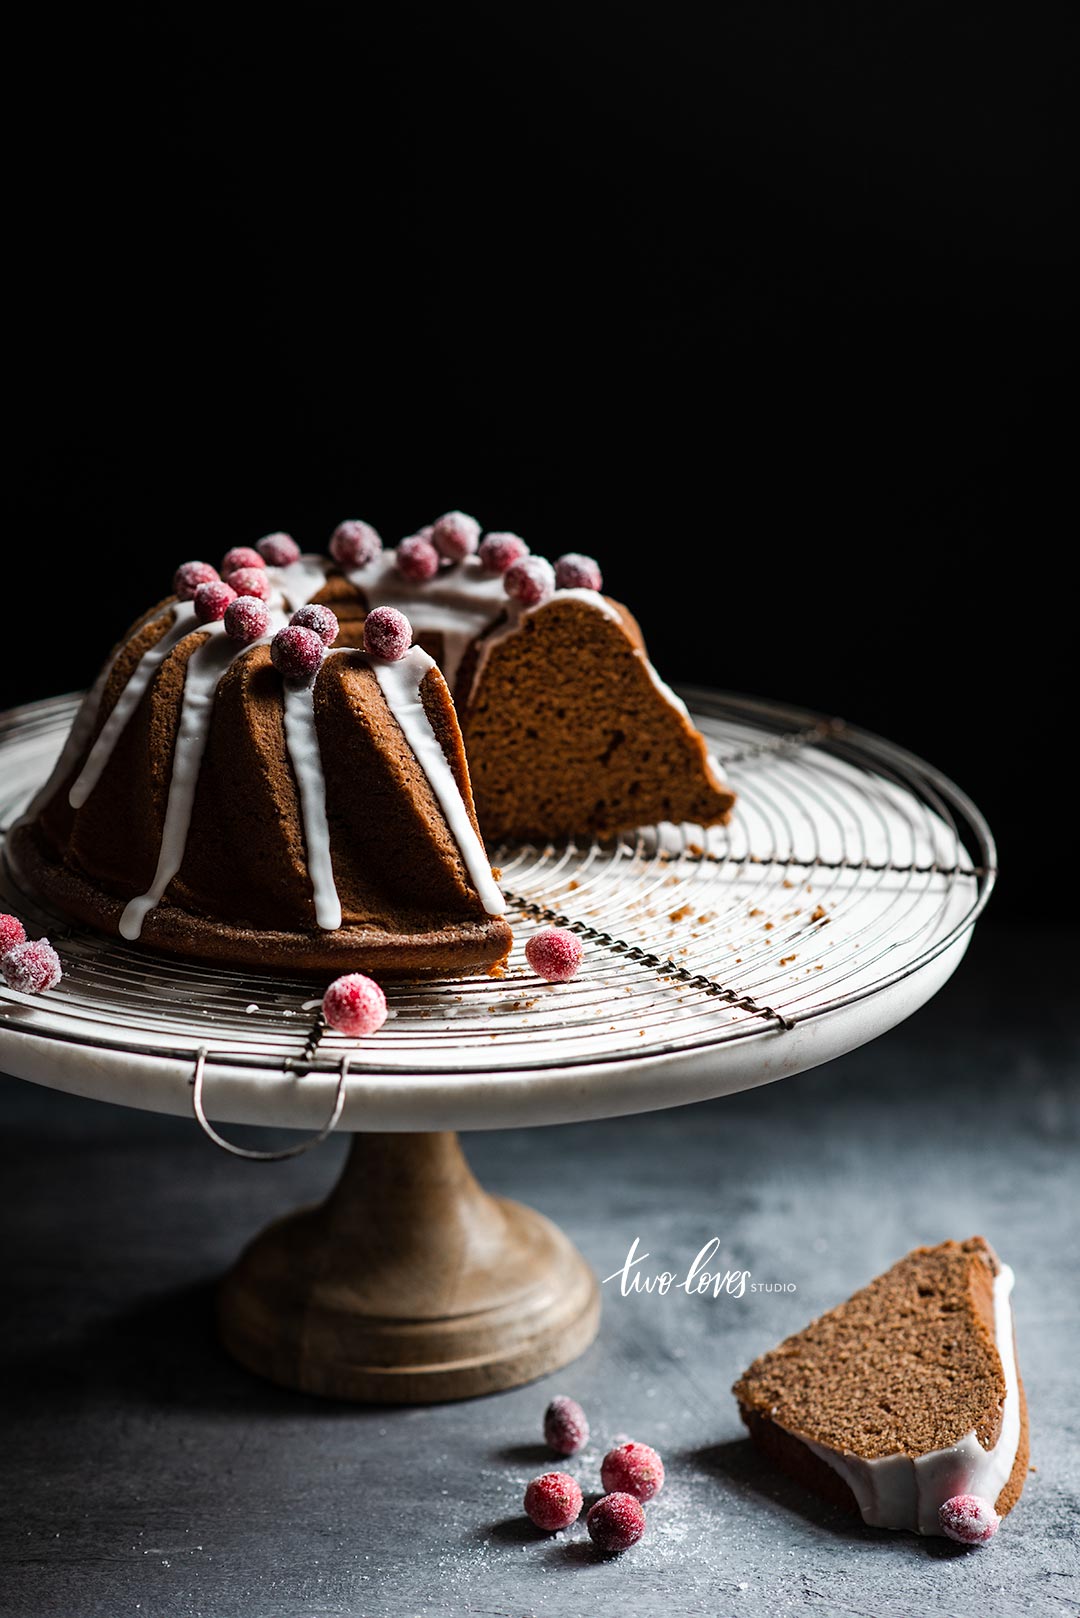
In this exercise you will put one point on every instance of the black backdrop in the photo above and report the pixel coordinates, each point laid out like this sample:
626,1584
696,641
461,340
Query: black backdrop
769,306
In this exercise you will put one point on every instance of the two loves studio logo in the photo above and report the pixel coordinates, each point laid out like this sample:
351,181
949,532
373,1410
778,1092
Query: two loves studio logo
698,1280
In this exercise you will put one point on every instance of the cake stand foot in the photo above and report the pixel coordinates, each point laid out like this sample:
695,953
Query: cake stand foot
408,1285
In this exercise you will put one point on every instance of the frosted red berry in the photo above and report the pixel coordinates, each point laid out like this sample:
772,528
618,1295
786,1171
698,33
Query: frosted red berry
240,556
354,1004
576,572
455,535
247,619
319,618
297,652
31,967
969,1519
278,550
250,581
498,552
530,581
12,932
387,633
354,543
211,601
189,576
633,1469
615,1523
417,559
555,954
566,1426
553,1501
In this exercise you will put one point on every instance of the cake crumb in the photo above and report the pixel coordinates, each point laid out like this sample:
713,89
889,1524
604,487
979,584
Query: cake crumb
818,913
680,914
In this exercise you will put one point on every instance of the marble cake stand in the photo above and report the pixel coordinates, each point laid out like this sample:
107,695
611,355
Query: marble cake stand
841,897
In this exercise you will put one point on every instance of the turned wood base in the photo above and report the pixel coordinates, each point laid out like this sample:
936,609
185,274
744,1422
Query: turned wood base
408,1285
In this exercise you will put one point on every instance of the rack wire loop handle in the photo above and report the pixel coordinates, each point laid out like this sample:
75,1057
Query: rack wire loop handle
247,1152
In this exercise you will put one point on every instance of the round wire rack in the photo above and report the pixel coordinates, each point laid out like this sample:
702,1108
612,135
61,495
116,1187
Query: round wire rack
849,865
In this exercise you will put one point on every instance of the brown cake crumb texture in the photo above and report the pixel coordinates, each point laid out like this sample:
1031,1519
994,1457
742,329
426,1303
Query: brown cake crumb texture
908,1364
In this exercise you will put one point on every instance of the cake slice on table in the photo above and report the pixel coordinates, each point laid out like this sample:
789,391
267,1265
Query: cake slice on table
234,790
904,1400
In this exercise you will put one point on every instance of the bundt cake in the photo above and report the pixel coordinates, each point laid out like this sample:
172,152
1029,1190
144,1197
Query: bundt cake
221,797
211,807
905,1397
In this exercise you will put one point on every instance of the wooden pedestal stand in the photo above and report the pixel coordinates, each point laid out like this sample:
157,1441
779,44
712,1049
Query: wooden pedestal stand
408,1285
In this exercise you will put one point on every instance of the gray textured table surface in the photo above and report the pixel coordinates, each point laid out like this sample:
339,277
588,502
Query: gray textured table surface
144,1474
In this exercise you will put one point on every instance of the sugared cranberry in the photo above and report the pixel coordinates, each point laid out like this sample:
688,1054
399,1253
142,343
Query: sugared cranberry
189,576
576,572
387,633
530,581
31,967
296,652
615,1523
320,619
417,559
969,1519
278,550
455,535
355,1005
250,581
12,932
553,1501
566,1426
555,954
633,1469
498,552
240,556
247,619
212,599
354,544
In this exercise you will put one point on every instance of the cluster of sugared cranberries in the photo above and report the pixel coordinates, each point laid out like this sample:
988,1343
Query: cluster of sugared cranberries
576,572
499,552
530,581
29,965
241,556
355,543
250,581
211,601
455,535
355,1005
417,559
633,1469
387,634
615,1523
553,1501
278,550
296,652
188,577
631,1474
320,619
566,1426
969,1519
247,619
555,954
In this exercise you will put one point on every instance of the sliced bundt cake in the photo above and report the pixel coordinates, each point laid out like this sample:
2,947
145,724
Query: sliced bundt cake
903,1398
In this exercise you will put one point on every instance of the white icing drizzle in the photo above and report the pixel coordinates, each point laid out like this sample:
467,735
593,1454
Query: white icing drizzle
128,701
301,738
400,683
301,581
904,1491
81,730
458,604
204,670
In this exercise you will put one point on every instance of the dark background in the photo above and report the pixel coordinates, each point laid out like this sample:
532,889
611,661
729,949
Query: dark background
768,306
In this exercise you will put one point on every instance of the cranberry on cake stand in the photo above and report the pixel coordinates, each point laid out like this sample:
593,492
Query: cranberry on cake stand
839,899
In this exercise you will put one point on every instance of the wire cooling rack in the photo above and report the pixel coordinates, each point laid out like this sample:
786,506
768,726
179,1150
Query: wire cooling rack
849,866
